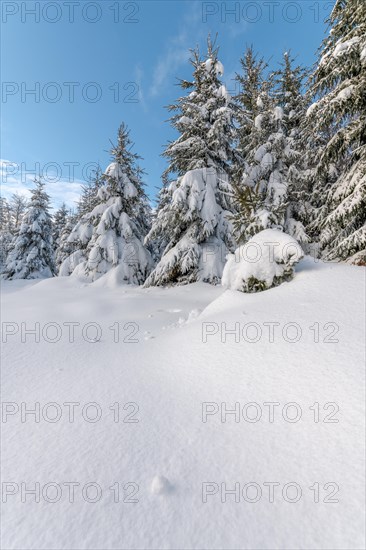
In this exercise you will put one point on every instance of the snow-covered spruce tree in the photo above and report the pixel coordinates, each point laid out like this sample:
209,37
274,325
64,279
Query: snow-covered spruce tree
260,193
89,193
118,220
250,80
343,230
31,255
18,205
192,221
271,193
79,227
157,240
6,231
65,248
339,114
290,96
11,213
58,224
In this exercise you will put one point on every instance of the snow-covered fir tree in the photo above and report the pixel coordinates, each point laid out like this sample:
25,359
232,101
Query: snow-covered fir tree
77,242
6,231
290,96
250,81
11,213
58,224
31,254
18,205
192,222
343,230
79,228
338,117
65,248
116,227
260,193
157,240
89,193
271,193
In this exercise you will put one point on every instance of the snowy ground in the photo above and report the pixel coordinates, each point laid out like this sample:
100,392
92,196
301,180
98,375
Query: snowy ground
180,360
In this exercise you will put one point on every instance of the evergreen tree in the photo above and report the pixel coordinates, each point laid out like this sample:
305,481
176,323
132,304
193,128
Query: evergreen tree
6,231
338,119
251,81
192,222
31,254
343,230
157,240
114,230
89,193
65,248
289,95
59,222
79,229
260,193
18,205
272,191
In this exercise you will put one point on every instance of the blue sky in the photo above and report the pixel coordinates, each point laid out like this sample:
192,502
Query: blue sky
123,59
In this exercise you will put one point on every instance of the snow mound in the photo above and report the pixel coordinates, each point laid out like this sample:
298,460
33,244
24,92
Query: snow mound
160,486
266,260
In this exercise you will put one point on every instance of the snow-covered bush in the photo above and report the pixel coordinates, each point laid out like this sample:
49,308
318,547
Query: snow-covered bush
266,260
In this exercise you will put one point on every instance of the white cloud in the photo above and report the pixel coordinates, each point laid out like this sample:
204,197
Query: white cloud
60,186
139,75
177,48
166,66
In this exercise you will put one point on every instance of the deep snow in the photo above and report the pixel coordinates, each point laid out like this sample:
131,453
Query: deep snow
180,360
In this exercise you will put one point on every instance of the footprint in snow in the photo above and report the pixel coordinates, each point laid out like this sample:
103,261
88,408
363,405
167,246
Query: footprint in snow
161,486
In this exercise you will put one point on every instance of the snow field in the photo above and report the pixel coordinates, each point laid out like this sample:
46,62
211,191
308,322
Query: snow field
204,477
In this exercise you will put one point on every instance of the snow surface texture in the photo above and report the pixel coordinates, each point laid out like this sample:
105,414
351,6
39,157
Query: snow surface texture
266,260
169,372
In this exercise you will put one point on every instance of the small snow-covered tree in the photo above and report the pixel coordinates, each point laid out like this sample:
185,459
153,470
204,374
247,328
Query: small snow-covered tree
65,248
117,223
58,224
31,254
192,222
276,255
18,205
89,193
6,231
156,239
338,117
11,213
79,228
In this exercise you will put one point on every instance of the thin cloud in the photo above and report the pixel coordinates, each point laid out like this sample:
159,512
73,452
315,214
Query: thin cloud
166,66
13,180
139,75
177,48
